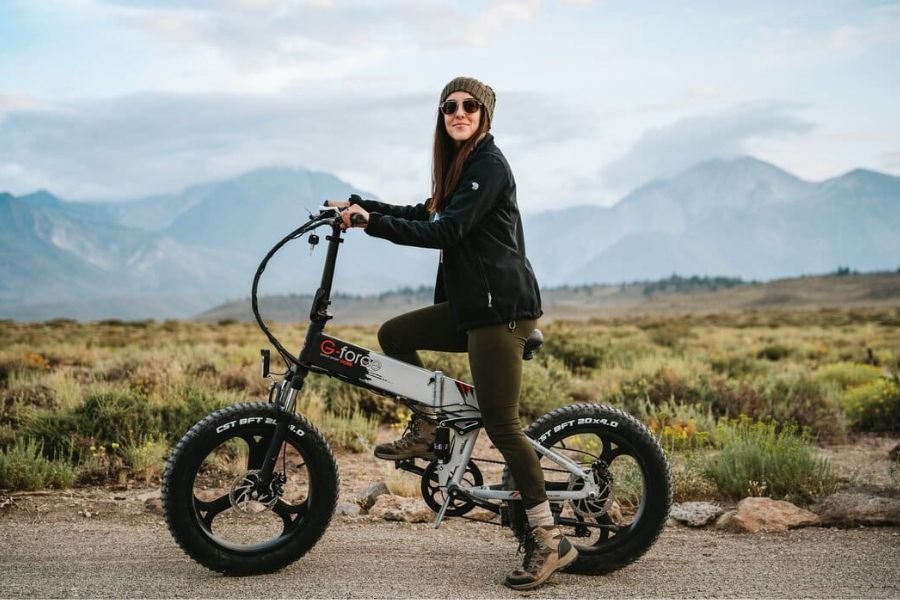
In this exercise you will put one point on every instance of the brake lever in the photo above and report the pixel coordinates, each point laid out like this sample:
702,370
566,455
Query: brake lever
329,211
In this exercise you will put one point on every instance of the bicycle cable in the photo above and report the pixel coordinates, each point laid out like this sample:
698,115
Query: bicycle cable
313,223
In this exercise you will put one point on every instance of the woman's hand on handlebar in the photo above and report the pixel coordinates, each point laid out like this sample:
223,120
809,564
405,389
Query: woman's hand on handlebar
348,216
338,203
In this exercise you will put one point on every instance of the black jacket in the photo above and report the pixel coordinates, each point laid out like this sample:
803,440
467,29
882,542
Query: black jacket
484,273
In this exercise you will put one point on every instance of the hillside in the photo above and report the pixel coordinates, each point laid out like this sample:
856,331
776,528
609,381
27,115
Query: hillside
171,255
599,301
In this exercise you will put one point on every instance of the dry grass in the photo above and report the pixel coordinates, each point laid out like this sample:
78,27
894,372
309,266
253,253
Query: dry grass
685,372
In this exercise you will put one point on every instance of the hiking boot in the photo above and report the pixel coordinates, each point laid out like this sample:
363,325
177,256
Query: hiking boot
416,442
546,551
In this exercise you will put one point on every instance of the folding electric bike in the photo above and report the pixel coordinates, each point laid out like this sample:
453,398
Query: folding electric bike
251,488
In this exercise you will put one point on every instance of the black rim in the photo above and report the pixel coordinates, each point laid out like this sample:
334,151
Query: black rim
600,525
221,491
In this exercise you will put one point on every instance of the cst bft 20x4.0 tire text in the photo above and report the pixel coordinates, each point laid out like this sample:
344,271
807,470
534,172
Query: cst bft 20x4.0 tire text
215,508
625,459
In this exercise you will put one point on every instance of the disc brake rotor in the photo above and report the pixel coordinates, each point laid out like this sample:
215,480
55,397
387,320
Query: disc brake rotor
593,507
246,496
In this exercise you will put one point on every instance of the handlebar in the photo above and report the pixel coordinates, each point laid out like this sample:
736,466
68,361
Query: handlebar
327,215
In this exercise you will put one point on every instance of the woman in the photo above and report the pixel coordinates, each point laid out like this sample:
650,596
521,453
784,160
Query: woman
486,300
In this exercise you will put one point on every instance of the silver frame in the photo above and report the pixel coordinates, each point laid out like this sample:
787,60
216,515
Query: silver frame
443,399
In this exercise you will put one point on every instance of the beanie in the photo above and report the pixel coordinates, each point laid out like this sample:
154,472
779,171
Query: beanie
480,91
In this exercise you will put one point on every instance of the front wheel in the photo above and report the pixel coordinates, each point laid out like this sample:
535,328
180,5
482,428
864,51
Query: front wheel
625,460
215,506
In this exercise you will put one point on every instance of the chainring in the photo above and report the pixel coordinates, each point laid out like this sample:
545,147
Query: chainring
435,496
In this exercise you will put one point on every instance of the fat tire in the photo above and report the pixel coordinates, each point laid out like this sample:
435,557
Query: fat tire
640,536
183,521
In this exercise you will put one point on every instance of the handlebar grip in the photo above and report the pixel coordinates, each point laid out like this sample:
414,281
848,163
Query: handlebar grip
357,219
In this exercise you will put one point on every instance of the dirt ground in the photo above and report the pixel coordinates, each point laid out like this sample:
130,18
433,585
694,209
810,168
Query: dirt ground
102,542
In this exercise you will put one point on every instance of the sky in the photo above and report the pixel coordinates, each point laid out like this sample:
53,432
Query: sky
122,99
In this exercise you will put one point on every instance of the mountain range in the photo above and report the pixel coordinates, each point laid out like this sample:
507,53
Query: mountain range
176,255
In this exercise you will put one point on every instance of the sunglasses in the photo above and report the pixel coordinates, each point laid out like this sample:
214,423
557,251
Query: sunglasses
470,105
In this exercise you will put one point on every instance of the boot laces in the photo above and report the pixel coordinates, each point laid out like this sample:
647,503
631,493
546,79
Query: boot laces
410,436
535,553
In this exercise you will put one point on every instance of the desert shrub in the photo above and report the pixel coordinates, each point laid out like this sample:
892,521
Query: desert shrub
55,432
235,379
577,350
30,393
146,460
202,368
764,459
116,416
679,426
181,411
669,333
26,364
738,366
343,398
660,387
733,398
8,436
545,386
122,417
874,406
352,431
802,401
690,482
847,374
23,466
101,463
773,352
791,398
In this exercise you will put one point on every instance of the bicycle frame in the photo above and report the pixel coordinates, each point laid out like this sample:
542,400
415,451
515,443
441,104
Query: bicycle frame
447,401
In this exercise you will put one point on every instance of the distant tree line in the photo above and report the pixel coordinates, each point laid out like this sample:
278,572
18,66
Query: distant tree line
678,283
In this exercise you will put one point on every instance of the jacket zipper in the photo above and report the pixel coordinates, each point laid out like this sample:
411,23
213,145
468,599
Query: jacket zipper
490,299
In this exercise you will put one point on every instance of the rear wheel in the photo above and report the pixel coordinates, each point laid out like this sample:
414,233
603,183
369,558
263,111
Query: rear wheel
631,471
216,507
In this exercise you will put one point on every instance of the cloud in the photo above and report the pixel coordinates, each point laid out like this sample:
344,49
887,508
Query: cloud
880,26
14,102
850,32
151,143
271,46
497,17
665,151
890,161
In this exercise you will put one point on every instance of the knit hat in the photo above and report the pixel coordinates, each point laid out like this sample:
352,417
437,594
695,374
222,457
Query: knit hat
480,91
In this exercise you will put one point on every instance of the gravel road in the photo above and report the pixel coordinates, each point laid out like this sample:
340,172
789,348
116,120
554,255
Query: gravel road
108,556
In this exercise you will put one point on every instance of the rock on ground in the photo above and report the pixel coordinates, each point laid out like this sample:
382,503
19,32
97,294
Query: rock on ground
848,508
767,515
347,509
398,508
370,496
695,514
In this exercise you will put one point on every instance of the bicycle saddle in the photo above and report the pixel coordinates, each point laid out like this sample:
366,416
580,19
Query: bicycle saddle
533,344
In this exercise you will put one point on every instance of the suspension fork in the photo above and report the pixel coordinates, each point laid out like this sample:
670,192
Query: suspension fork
286,401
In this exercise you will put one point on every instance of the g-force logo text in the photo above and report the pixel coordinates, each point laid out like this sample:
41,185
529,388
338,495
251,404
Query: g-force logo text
348,356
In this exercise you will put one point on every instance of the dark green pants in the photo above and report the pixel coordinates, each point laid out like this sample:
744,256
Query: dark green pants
495,358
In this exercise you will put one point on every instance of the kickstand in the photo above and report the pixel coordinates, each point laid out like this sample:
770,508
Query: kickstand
440,515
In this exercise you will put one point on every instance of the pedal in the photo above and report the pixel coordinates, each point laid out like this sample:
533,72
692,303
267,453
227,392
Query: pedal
409,465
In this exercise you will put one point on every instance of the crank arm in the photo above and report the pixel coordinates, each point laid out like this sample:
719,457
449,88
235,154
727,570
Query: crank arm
576,523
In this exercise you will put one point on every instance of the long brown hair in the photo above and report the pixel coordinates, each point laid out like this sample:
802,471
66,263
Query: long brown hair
448,159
